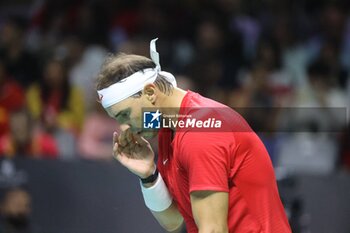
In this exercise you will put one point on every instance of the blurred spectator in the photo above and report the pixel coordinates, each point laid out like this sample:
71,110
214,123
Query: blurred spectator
15,211
256,101
255,91
263,85
95,139
217,57
322,94
330,57
70,50
24,140
250,29
206,72
20,64
83,72
54,101
11,98
136,45
333,22
185,83
57,106
320,109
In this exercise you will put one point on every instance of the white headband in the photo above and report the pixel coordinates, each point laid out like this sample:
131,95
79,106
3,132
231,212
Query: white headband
135,82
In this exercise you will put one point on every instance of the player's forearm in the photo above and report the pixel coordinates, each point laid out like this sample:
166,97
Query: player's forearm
210,210
170,219
213,229
159,201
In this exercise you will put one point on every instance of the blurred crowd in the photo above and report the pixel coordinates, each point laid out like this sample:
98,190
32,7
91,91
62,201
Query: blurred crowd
284,65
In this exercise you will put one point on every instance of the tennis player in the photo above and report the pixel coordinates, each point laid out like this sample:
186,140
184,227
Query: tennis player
211,181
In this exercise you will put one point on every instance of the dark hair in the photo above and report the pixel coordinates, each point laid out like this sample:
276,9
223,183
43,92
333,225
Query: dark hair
319,68
46,90
120,66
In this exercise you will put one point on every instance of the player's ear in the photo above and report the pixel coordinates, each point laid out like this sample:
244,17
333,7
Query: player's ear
149,91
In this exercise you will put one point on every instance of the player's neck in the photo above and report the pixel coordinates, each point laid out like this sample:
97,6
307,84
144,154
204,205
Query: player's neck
171,104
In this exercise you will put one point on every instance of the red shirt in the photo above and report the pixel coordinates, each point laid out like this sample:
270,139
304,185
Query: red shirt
11,99
232,160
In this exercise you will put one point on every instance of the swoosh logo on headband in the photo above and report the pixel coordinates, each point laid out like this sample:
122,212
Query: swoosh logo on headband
100,97
123,80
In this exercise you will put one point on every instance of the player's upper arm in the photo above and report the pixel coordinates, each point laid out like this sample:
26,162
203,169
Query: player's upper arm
210,210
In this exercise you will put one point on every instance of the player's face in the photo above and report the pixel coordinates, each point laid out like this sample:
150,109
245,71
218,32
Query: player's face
129,113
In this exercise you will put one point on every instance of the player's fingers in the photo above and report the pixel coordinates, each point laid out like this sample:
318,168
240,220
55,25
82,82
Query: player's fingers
126,151
115,137
118,155
127,143
140,140
121,152
122,139
124,127
115,149
129,137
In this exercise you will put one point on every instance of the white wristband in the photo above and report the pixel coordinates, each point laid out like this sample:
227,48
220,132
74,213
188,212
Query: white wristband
157,197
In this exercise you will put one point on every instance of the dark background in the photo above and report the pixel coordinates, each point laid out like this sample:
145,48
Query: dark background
90,197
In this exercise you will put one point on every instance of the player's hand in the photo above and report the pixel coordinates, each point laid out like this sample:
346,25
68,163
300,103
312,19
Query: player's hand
134,152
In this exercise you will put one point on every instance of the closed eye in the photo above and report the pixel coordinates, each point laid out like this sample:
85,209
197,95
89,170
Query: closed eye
123,116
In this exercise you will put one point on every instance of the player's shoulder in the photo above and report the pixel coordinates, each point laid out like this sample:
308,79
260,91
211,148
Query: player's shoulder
203,108
196,100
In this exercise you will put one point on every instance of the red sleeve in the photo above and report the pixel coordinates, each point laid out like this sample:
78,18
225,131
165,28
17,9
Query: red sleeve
205,157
